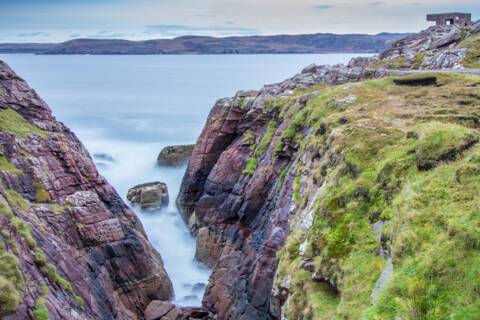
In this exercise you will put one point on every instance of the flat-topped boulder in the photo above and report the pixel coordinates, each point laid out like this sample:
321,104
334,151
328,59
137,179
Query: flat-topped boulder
173,156
152,195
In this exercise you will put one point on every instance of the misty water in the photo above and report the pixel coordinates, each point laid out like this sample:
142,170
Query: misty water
130,107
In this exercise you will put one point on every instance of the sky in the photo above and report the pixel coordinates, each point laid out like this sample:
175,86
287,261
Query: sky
62,20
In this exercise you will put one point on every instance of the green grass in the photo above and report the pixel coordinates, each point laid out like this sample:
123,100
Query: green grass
418,59
440,141
12,122
7,166
292,132
472,59
15,199
251,167
41,311
379,172
435,242
25,230
11,284
267,138
41,194
296,190
9,297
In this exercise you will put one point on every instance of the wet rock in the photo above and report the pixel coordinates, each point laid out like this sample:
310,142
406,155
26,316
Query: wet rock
164,310
152,195
158,309
103,157
198,287
173,156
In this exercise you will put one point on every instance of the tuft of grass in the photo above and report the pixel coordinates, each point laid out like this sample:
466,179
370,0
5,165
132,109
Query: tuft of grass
41,311
79,300
267,138
296,190
41,194
9,297
281,178
25,230
418,59
5,209
251,167
291,132
16,199
12,122
11,284
51,272
7,166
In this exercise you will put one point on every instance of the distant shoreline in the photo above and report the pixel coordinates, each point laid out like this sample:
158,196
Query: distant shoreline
321,43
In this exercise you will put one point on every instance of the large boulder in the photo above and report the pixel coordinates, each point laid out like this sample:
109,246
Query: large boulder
175,155
152,195
164,310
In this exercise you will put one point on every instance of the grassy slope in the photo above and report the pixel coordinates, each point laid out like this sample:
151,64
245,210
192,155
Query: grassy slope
433,216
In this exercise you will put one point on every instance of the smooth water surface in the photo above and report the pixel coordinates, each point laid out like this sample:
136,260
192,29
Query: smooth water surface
130,107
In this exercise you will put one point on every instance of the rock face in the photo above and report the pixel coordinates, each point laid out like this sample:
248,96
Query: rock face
152,195
173,156
79,252
241,220
438,47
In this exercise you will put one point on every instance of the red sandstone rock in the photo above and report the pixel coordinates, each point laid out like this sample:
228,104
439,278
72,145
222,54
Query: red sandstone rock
242,220
80,223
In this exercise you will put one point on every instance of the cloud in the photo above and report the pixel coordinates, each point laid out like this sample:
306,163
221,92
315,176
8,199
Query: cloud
204,15
106,34
75,35
323,7
180,30
33,34
376,3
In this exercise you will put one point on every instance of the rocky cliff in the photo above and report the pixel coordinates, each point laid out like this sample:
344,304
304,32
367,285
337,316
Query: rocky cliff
343,192
438,47
69,247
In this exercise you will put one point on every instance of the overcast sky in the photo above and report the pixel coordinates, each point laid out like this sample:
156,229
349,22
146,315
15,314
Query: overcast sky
60,20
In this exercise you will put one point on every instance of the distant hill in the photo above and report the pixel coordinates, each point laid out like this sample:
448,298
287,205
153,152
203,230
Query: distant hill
308,43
